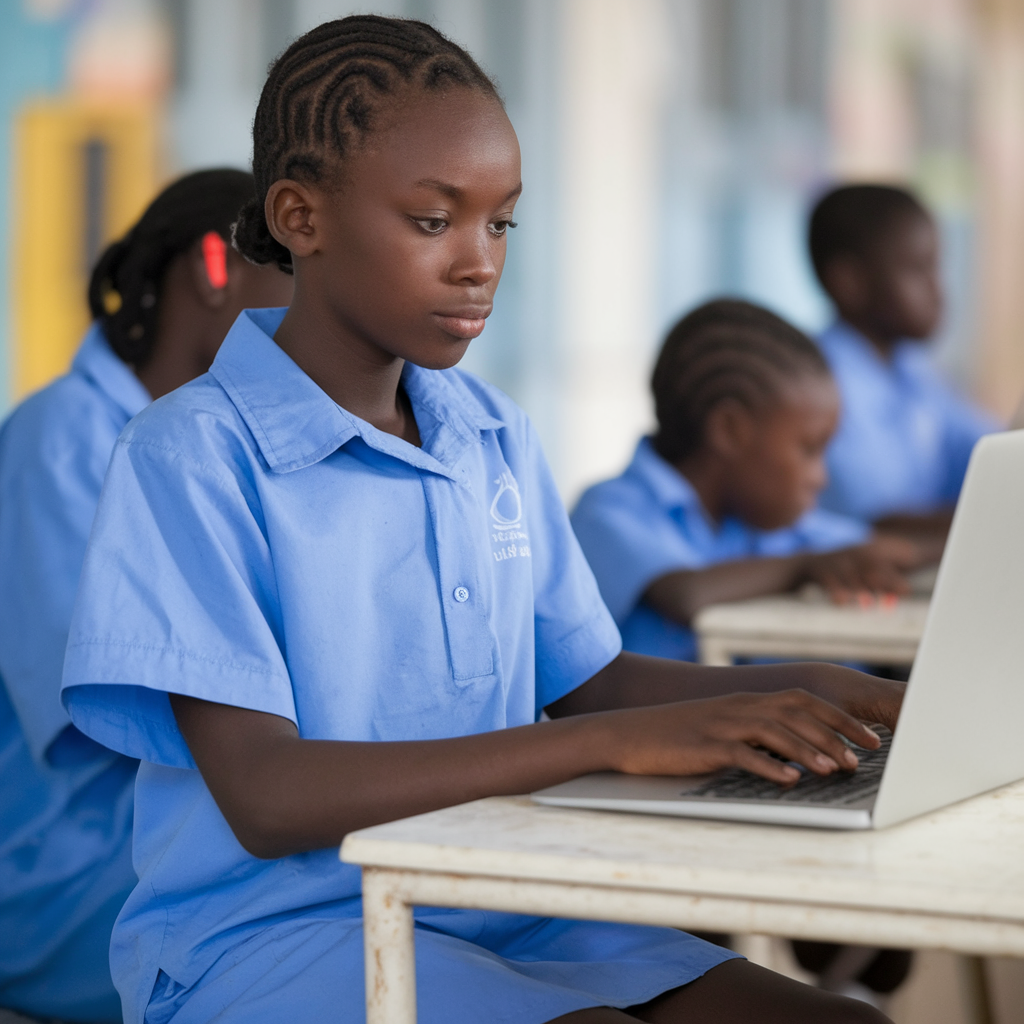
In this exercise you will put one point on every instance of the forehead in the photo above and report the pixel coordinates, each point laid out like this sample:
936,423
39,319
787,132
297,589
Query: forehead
808,394
461,136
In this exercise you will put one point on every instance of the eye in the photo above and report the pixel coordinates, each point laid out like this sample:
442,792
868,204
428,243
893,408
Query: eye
499,227
431,225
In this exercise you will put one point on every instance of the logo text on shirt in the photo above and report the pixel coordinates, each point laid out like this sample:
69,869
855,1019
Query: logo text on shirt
507,533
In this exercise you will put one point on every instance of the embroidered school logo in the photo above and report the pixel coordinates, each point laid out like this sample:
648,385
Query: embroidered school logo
506,511
507,507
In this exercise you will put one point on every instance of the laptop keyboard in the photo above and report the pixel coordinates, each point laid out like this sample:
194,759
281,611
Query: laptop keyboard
837,790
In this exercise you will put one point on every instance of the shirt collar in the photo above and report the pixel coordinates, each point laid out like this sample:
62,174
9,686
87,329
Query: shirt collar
97,362
296,423
670,488
848,335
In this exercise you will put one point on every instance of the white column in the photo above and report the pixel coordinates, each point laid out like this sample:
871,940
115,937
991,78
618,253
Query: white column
614,61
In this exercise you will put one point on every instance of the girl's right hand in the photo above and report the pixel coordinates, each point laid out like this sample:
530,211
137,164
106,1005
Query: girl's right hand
737,730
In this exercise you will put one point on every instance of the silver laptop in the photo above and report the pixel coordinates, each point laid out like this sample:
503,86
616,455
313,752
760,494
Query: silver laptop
961,731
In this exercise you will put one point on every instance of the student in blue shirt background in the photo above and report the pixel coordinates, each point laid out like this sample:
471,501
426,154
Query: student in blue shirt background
720,504
900,453
65,801
331,584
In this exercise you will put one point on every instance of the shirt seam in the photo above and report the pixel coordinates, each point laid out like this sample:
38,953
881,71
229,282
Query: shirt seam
179,652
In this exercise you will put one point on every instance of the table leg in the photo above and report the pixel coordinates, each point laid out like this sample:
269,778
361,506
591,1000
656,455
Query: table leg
978,990
713,651
389,949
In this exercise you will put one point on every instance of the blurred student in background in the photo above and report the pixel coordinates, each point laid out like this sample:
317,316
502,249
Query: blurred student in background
163,297
720,504
904,436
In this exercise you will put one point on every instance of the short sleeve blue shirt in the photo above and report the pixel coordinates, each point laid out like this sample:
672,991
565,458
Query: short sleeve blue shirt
649,522
65,802
904,436
257,545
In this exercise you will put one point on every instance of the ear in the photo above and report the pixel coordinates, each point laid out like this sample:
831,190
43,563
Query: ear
729,428
291,209
846,281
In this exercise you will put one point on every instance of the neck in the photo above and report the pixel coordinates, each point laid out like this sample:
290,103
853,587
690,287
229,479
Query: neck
879,340
351,369
707,477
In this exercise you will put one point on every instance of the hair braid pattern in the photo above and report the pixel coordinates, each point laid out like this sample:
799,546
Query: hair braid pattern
724,350
327,92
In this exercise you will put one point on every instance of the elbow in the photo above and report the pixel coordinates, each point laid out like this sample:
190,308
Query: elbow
263,831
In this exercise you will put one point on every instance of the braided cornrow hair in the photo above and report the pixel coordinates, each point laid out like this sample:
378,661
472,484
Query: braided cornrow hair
725,349
326,93
124,289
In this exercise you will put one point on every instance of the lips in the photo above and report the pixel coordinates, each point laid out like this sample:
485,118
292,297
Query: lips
463,323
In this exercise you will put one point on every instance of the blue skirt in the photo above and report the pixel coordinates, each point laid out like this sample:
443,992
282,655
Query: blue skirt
472,967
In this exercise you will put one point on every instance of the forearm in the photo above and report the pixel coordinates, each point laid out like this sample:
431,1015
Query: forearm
636,680
285,794
929,525
680,595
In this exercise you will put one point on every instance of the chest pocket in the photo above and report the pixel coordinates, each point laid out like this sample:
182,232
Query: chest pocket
465,592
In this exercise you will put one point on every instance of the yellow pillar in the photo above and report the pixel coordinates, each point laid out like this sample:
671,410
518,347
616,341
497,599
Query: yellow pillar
83,173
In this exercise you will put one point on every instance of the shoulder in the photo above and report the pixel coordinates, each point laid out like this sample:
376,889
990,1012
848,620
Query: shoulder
196,425
68,418
612,504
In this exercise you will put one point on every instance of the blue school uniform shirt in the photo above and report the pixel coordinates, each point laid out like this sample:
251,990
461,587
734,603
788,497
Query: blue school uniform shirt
288,557
650,521
904,436
65,801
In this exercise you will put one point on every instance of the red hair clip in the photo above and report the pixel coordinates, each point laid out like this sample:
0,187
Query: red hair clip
215,257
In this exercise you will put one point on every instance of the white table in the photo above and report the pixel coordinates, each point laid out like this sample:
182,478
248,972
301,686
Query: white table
792,626
953,879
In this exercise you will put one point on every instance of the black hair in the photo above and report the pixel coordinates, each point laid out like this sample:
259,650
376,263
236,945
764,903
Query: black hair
326,92
124,289
850,220
725,349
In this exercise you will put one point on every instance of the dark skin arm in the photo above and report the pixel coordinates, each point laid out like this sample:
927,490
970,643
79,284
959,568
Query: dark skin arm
282,794
877,566
928,531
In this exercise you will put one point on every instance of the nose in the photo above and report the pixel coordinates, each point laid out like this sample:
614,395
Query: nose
474,262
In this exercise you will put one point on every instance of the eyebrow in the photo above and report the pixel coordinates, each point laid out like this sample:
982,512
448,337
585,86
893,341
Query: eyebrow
456,193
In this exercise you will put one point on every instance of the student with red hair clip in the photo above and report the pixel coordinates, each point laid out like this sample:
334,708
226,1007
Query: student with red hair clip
163,298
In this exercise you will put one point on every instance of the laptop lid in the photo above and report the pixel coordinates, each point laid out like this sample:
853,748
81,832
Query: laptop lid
960,731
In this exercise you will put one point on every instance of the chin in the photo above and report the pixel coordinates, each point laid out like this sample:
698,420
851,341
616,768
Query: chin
438,357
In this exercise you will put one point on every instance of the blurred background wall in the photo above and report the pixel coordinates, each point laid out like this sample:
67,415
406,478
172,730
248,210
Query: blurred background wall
671,150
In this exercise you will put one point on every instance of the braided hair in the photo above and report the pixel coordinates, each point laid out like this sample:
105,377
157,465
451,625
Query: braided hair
326,93
725,349
849,220
124,289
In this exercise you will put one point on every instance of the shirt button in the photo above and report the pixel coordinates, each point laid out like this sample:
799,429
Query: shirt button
461,594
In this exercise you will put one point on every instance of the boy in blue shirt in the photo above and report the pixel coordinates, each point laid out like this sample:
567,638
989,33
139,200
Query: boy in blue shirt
719,504
900,452
163,297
